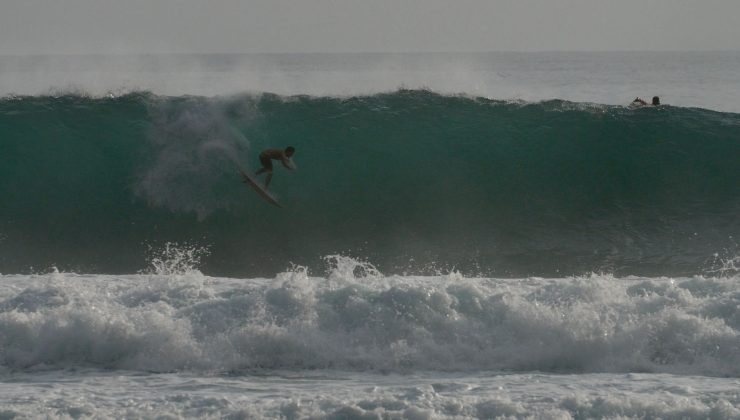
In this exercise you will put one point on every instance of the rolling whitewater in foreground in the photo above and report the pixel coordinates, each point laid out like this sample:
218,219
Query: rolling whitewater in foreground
465,236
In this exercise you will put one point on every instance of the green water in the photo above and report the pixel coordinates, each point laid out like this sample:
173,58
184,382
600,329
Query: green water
411,181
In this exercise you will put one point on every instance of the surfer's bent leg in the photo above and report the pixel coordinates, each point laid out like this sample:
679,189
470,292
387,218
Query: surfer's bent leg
268,179
266,165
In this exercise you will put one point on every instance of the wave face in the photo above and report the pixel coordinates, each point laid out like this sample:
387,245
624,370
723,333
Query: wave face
411,180
358,320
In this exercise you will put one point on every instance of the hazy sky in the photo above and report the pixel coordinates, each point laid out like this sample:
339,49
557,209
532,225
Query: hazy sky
151,26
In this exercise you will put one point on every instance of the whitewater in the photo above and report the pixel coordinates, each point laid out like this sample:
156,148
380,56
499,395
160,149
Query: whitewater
355,343
466,236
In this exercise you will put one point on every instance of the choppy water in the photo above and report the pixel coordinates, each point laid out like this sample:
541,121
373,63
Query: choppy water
348,395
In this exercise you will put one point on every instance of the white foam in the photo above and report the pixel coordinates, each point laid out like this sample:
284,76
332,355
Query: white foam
355,318
335,395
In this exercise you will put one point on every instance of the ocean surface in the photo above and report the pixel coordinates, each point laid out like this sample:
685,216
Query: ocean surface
465,236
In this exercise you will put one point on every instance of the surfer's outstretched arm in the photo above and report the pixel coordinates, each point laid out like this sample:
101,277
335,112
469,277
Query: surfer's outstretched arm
288,164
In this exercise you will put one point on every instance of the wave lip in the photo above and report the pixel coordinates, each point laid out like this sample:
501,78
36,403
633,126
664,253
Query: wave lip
578,77
685,326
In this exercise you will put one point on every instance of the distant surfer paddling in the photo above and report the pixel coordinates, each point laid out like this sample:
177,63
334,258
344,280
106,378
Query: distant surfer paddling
266,158
639,102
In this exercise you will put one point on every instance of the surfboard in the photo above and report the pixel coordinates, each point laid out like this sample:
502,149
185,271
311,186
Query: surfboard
258,188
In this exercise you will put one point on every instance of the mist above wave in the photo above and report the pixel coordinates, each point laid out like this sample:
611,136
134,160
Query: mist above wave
704,80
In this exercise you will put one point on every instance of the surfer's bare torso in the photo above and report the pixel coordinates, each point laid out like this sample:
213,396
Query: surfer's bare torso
268,155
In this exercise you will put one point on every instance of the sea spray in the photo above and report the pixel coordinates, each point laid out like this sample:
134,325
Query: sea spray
176,259
195,148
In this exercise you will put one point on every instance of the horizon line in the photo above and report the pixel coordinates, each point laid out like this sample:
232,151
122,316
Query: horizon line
30,54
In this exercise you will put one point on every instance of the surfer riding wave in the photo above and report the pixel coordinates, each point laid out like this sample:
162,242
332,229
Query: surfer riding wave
268,155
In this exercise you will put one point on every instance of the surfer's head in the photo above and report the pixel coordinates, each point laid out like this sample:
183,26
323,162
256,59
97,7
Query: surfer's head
289,151
656,101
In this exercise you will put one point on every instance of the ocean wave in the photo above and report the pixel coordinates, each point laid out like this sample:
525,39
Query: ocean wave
355,318
409,179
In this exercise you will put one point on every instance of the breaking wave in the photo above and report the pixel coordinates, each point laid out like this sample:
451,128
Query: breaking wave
355,318
412,180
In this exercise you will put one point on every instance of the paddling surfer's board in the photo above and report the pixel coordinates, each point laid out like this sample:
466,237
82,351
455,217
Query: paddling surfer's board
258,188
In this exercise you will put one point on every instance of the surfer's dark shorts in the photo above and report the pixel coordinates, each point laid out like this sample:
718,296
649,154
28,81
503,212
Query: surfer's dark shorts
266,162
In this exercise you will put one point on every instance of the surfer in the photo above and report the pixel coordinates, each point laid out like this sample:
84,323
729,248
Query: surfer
640,102
268,155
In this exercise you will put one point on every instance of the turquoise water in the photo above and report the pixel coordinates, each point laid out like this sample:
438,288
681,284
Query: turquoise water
411,180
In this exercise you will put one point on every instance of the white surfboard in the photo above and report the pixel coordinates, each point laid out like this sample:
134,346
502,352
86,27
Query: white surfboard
258,188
